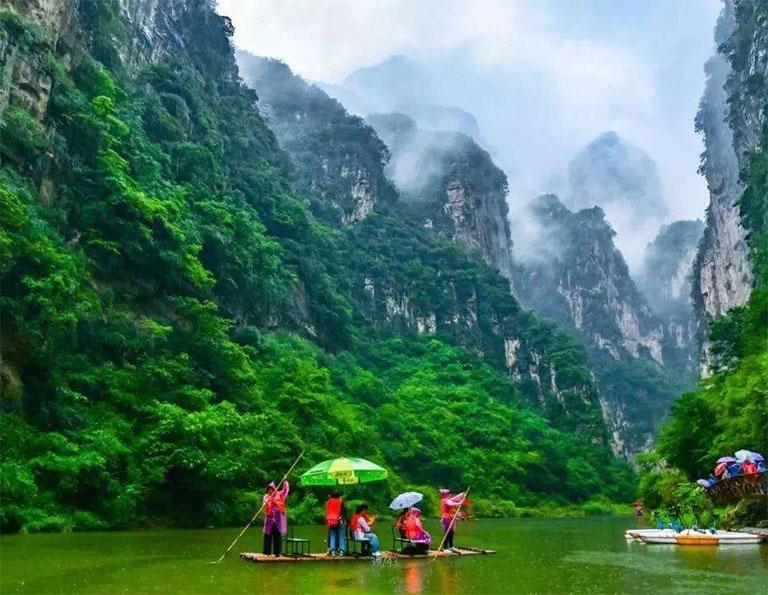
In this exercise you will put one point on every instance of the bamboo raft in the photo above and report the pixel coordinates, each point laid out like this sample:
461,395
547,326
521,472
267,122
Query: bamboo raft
265,559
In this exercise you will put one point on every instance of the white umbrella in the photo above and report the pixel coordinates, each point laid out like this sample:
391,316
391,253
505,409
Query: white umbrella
406,500
742,455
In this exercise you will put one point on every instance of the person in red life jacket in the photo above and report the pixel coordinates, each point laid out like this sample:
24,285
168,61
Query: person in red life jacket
335,520
748,468
275,520
448,507
361,528
415,531
401,520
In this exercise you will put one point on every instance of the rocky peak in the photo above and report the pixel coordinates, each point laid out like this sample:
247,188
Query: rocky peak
612,172
568,269
451,184
623,180
337,156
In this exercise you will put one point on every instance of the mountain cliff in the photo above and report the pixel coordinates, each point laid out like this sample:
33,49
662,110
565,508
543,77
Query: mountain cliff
730,118
623,181
341,159
666,276
575,276
451,185
730,287
187,303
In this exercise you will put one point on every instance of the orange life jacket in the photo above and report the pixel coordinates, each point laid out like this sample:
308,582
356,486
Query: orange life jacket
275,502
356,521
333,512
413,528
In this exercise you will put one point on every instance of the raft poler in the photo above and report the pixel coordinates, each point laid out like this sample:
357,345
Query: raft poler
275,519
448,505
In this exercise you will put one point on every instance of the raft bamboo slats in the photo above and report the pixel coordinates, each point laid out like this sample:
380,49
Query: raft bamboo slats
262,558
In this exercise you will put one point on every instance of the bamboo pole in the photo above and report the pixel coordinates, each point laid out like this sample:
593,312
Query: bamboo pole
450,526
258,512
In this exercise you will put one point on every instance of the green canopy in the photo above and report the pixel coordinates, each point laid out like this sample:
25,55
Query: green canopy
343,471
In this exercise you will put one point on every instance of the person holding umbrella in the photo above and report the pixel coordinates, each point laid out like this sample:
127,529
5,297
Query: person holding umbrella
404,501
275,520
415,531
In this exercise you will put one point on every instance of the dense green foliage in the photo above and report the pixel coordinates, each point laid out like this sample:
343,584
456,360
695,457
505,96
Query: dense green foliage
153,365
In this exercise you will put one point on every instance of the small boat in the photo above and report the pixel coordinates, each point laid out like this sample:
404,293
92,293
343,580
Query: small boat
458,552
691,537
636,534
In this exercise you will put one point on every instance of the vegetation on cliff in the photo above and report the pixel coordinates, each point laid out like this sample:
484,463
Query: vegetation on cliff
177,323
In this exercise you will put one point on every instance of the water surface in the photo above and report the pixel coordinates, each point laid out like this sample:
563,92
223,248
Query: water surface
534,556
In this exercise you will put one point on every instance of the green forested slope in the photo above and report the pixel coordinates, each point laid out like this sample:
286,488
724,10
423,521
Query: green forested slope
177,324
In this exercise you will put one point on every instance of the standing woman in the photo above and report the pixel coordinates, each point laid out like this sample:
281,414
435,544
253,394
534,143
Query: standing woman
275,520
335,520
448,506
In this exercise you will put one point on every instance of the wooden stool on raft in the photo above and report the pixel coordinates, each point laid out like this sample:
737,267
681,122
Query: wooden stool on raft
296,546
356,547
403,545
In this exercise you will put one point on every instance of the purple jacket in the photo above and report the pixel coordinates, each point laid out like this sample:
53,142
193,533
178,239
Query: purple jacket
276,518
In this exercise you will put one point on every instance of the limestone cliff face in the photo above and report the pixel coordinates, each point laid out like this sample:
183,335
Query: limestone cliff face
27,81
580,278
730,118
338,158
159,28
451,184
574,275
666,276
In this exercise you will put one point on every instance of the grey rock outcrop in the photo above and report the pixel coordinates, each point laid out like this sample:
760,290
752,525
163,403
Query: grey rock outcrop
730,119
452,184
337,156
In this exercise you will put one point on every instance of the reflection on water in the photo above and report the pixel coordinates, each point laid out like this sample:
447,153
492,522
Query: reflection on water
534,556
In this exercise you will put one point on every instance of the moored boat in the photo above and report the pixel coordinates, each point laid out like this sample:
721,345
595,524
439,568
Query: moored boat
691,537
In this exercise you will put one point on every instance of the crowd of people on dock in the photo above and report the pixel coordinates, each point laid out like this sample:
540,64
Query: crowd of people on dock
744,462
361,526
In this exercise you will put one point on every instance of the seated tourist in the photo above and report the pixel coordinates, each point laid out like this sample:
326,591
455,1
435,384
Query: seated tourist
415,531
361,527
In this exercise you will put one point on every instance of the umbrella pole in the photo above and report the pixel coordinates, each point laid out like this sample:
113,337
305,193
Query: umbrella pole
450,526
253,518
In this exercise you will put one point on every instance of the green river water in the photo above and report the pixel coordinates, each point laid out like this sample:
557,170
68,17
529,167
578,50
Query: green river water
534,556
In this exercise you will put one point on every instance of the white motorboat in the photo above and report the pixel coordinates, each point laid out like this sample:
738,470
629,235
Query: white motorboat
691,537
636,534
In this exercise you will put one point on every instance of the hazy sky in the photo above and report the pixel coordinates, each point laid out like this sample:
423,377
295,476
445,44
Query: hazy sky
543,77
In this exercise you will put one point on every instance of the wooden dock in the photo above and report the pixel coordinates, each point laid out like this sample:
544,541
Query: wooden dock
264,559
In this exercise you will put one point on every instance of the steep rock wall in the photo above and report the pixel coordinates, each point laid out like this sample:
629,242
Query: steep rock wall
339,160
451,184
729,117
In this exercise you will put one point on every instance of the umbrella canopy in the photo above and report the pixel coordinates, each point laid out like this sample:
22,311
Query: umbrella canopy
742,455
757,457
725,460
343,471
406,500
703,483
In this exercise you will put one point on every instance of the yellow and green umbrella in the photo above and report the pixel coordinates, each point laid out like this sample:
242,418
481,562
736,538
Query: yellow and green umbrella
343,471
